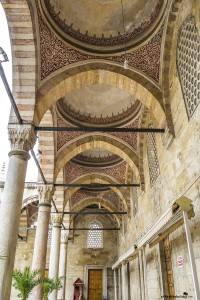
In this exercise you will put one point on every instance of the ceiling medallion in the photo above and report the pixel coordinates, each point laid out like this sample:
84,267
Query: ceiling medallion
103,36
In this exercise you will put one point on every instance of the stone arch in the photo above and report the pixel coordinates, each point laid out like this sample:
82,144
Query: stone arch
23,56
95,178
29,200
90,201
24,217
103,141
54,90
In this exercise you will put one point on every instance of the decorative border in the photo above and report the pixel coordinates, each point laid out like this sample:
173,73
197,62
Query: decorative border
103,41
71,115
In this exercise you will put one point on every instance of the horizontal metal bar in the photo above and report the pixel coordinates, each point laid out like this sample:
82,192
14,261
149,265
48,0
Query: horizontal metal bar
97,129
97,185
94,229
27,228
95,213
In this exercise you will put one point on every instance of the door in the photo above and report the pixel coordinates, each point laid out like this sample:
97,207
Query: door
169,270
95,284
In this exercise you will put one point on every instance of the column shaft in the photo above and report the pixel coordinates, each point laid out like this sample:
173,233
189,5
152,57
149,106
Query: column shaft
63,264
124,282
145,275
55,251
115,284
120,284
9,218
141,275
45,193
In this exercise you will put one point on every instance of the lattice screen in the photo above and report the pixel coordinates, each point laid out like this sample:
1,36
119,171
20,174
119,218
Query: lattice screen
154,170
188,64
95,237
49,236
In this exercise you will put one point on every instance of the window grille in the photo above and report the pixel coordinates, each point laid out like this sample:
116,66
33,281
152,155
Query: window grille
49,236
95,237
154,170
188,64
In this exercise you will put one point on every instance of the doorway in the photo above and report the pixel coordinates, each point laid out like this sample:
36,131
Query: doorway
95,284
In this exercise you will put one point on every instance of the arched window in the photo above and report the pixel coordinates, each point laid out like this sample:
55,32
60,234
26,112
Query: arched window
188,64
154,170
95,237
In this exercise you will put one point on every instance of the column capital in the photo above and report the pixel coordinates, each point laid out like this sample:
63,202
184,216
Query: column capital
64,236
22,137
45,194
56,219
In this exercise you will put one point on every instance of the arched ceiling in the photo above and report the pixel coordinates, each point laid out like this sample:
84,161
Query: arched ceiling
99,105
97,25
77,40
96,158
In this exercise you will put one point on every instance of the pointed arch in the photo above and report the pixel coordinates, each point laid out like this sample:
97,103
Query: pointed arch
95,200
55,90
103,141
95,178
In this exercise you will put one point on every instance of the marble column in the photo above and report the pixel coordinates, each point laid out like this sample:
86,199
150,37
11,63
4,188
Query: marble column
22,138
145,274
141,275
119,284
63,263
115,284
45,193
55,250
124,282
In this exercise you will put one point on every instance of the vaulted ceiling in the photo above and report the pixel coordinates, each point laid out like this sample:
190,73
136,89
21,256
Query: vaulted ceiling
77,36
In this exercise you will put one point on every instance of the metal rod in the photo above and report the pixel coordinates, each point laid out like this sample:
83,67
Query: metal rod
38,166
54,205
97,185
96,129
94,229
10,95
94,213
27,228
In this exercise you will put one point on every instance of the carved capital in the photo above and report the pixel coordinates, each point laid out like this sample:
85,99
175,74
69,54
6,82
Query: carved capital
64,236
56,219
45,194
21,136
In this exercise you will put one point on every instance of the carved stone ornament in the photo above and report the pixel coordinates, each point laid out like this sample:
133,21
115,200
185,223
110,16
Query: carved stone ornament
64,236
21,136
45,193
56,219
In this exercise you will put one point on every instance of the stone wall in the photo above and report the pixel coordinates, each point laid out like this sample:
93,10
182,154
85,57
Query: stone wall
179,165
79,256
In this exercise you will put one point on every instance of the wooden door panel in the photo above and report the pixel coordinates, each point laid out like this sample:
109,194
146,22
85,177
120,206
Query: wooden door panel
95,284
169,269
